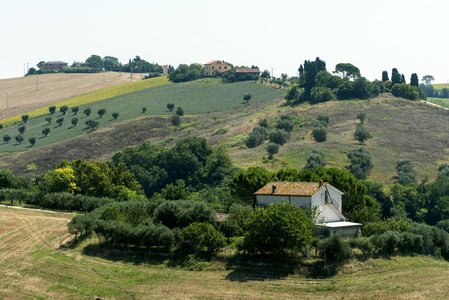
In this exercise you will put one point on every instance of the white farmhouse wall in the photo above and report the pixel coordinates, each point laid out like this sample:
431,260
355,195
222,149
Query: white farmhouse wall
300,202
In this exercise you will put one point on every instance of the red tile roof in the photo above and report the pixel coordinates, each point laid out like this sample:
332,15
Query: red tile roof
284,188
247,70
212,62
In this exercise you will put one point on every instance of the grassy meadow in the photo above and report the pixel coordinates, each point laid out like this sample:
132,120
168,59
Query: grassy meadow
440,86
197,97
39,262
439,101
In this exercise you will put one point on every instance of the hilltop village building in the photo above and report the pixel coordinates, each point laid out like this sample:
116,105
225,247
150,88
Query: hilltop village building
54,65
322,195
215,67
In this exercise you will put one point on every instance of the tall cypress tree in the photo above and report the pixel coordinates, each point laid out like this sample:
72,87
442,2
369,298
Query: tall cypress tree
395,77
414,81
385,76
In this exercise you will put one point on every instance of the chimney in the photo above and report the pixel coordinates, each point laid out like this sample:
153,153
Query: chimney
321,183
273,187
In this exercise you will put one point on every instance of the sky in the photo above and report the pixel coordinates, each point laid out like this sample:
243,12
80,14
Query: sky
375,36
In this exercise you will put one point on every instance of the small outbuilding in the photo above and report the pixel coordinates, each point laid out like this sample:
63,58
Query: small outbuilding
322,195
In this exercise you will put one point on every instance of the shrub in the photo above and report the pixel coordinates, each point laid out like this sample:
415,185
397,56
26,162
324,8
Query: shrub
335,249
406,172
361,134
48,119
64,109
25,118
263,123
323,118
74,121
257,137
75,110
87,111
315,160
144,110
92,124
361,164
272,149
32,141
279,137
19,139
182,213
176,120
22,129
60,121
170,106
319,133
179,111
52,109
287,125
115,115
362,117
6,138
101,112
202,237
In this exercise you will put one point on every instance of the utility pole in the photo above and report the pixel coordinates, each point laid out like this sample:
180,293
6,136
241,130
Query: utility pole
7,96
103,77
37,82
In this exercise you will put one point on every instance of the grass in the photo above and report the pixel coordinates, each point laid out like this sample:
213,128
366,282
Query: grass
37,264
95,96
440,86
439,101
194,98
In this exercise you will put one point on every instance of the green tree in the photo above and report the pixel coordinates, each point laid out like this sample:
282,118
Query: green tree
115,115
22,129
92,124
362,117
247,97
361,163
315,159
170,106
19,139
279,137
347,70
32,141
52,109
64,109
287,125
95,62
6,138
361,134
174,192
202,237
60,121
395,77
246,182
46,131
307,73
406,172
414,81
277,230
75,110
179,111
74,121
110,63
272,149
263,123
144,110
324,119
25,118
48,119
101,112
319,133
176,120
362,88
427,79
87,111
385,76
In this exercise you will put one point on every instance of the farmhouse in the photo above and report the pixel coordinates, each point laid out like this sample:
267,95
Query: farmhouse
215,67
54,65
321,194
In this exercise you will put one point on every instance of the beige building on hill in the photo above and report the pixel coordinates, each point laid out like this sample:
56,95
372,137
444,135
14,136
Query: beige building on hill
215,67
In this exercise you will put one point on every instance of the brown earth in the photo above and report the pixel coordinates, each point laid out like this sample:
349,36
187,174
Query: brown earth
20,95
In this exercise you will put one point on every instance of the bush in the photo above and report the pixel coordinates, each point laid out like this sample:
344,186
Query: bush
32,141
257,137
25,118
176,120
64,109
279,137
87,111
319,133
60,121
179,111
74,121
362,117
315,160
144,110
323,118
287,125
115,115
101,112
335,249
182,213
202,237
361,134
263,123
46,131
52,109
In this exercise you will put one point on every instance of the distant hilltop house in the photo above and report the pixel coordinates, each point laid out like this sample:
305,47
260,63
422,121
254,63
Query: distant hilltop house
54,65
312,194
215,67
245,73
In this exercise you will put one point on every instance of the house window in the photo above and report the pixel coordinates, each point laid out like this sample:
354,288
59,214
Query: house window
219,67
226,68
212,67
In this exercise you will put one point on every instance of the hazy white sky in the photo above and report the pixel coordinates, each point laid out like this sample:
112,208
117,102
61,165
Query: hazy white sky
409,35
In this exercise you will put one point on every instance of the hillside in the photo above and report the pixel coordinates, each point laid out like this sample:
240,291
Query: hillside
23,96
400,129
37,263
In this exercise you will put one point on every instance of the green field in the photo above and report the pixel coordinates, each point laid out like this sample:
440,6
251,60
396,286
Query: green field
441,86
197,97
439,101
37,263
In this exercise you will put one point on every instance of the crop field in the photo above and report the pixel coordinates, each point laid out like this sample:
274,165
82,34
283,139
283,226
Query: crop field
21,94
37,263
194,97
440,86
94,96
